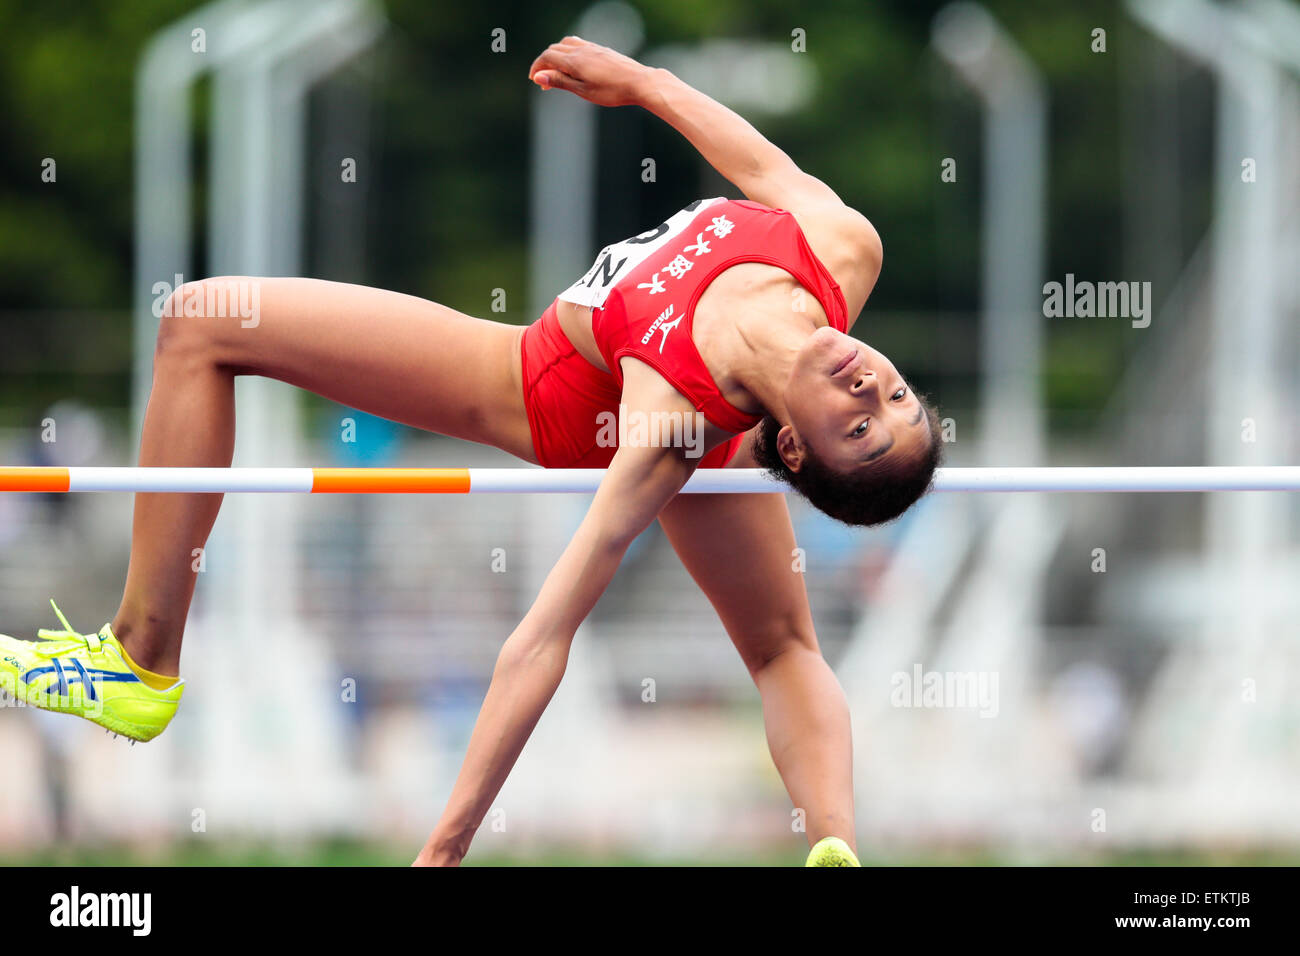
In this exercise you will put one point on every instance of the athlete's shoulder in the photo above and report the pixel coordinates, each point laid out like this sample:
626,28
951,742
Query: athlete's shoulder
848,245
847,227
828,222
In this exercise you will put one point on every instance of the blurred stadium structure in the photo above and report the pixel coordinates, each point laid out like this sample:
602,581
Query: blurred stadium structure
1155,705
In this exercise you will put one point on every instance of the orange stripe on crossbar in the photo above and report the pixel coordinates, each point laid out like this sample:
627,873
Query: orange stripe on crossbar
34,479
444,481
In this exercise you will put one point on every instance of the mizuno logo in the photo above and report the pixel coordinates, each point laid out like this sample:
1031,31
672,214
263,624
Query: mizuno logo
663,325
666,328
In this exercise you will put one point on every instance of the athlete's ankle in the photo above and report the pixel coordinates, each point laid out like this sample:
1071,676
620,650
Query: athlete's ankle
147,647
832,825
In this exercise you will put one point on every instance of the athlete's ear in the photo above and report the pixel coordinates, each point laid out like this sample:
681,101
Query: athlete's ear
790,447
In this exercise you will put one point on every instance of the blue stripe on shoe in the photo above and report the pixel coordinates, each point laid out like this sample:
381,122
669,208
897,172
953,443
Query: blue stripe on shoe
63,680
86,673
85,679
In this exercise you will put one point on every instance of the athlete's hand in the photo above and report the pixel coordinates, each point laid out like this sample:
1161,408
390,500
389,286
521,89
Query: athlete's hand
594,72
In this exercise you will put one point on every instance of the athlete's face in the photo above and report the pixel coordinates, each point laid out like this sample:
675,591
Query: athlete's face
851,407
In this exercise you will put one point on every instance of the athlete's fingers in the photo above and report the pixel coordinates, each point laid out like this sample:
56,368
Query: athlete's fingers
555,80
553,50
540,63
554,57
537,64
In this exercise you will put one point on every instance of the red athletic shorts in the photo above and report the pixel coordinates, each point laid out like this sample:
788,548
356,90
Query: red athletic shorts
564,393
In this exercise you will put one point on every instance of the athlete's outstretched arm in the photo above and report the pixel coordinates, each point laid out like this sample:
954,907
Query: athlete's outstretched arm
639,482
842,237
757,167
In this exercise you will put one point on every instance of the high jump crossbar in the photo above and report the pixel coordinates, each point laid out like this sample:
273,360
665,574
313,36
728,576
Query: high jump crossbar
586,480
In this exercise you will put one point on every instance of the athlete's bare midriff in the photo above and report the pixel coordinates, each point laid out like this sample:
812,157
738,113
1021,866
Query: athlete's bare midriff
737,297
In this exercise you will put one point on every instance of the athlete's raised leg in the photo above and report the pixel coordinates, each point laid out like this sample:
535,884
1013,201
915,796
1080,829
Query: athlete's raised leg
392,355
740,550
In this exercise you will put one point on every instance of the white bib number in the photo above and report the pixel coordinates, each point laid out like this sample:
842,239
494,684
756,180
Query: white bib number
619,259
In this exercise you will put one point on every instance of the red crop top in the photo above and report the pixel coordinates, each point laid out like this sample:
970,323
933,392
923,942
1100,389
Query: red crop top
643,291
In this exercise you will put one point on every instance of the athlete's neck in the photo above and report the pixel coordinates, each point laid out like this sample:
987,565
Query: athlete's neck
766,349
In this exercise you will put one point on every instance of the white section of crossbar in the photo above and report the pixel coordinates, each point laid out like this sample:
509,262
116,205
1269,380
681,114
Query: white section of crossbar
1077,479
227,480
1146,479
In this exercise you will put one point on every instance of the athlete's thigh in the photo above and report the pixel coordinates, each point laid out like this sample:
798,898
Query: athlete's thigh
740,550
389,354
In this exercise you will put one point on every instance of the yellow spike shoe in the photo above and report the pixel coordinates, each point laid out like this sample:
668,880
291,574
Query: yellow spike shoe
88,675
831,851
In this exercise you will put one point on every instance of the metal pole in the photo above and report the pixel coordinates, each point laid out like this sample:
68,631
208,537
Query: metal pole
988,60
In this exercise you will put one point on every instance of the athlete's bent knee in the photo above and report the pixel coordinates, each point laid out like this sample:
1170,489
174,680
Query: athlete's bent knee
761,655
196,315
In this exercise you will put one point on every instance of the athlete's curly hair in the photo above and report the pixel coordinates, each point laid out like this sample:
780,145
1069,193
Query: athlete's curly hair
871,495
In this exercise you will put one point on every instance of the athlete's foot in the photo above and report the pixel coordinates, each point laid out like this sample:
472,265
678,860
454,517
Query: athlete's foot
90,676
831,851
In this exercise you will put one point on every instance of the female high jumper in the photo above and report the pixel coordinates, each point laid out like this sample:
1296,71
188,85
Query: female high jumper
731,314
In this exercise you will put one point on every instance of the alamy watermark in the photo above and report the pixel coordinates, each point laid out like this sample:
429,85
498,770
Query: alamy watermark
956,690
1103,300
655,429
70,691
209,299
133,911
